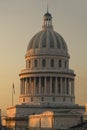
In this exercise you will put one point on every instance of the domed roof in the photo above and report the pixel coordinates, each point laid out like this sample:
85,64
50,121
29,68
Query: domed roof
47,39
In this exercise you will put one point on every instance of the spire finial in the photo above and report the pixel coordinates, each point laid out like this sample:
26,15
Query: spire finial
47,8
47,19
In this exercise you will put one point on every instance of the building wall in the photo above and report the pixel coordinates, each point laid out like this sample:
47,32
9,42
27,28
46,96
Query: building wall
53,120
44,120
11,112
66,121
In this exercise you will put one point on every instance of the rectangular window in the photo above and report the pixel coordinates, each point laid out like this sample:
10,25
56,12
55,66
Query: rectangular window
52,63
59,63
35,63
43,63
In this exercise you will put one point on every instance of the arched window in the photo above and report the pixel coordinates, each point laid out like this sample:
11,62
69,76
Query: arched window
52,63
60,63
35,63
43,63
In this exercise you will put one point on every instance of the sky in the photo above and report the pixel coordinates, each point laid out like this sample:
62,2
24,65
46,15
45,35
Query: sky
20,20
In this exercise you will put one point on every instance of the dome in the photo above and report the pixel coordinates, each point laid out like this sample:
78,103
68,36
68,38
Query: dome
47,78
47,39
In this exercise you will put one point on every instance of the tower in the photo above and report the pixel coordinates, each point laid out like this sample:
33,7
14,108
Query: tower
47,77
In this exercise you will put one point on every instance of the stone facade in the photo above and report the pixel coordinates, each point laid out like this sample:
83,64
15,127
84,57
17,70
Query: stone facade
59,116
61,120
44,120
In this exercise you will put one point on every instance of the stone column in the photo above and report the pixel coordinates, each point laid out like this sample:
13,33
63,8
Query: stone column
61,85
50,85
45,86
69,86
65,87
39,85
34,85
26,85
30,85
72,87
31,64
21,86
56,85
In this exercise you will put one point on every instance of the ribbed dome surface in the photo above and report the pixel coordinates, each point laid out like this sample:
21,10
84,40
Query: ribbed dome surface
47,39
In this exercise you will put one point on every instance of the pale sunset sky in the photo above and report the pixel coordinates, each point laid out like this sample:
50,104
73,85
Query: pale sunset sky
20,20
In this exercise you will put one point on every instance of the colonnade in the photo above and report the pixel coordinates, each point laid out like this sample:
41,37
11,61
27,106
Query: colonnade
47,85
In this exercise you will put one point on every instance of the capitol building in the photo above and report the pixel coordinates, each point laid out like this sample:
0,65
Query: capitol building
47,85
